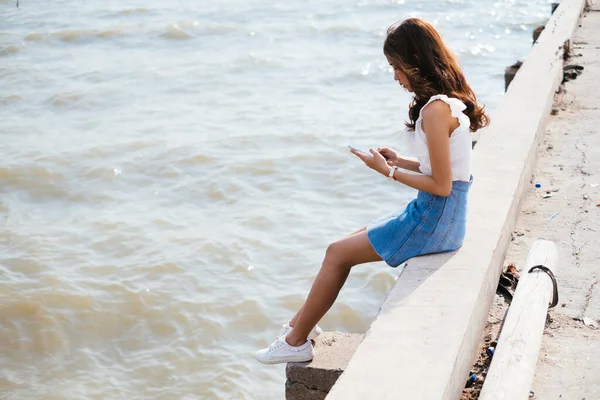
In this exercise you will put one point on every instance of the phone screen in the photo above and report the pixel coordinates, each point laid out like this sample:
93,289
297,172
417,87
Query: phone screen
360,151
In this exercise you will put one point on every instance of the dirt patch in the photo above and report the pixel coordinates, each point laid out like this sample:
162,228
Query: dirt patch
490,334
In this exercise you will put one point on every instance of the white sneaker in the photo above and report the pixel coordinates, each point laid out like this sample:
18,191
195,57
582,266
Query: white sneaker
281,352
287,328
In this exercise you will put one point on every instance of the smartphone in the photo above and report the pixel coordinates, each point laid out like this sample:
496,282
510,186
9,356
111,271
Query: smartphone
363,152
359,151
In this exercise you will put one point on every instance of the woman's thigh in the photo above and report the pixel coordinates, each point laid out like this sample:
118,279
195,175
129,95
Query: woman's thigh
352,250
364,228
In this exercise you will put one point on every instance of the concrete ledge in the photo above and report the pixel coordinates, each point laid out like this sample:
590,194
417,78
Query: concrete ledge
425,338
313,380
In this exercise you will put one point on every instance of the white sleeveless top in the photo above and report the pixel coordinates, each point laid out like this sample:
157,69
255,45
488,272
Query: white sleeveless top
460,141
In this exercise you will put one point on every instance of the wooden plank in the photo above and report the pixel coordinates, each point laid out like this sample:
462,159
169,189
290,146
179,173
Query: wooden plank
511,372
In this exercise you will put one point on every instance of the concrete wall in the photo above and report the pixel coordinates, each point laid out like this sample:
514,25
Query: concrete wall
424,340
313,380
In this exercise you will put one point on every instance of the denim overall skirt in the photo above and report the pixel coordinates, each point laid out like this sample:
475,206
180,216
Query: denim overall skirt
429,224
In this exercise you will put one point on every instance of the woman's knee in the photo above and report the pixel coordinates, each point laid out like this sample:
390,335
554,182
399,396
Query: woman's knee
351,251
335,255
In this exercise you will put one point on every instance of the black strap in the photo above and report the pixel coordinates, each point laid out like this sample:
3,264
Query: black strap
554,285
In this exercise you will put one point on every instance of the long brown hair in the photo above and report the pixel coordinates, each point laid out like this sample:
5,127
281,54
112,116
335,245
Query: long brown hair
416,48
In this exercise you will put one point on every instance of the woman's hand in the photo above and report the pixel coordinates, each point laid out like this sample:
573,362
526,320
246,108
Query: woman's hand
374,161
390,155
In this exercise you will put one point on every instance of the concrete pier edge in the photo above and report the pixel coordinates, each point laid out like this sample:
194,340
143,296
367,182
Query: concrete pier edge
313,380
424,340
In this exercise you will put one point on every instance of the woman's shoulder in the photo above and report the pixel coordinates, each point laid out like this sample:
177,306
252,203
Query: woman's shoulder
440,105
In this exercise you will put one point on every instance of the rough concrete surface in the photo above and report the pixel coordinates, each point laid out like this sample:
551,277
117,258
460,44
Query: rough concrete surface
313,380
298,391
566,210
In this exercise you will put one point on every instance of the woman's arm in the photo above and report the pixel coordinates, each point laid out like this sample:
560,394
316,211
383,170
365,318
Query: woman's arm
407,164
437,121
395,160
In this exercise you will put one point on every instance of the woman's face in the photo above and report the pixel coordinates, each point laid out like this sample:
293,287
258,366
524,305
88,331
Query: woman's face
400,77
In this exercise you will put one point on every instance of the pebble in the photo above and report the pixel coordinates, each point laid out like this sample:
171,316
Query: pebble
538,185
590,322
585,197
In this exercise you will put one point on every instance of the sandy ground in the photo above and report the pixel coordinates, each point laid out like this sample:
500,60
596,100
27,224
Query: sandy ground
566,210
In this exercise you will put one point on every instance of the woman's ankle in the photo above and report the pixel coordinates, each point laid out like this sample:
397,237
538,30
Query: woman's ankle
294,342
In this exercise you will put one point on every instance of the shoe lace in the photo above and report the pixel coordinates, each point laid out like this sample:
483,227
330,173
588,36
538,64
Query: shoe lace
284,330
276,345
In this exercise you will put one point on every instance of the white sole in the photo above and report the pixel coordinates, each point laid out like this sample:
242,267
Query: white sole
287,359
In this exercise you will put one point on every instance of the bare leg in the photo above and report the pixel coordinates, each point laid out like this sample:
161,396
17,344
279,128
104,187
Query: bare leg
364,228
295,319
339,258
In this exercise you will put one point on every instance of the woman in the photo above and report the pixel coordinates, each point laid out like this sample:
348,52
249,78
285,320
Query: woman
441,117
